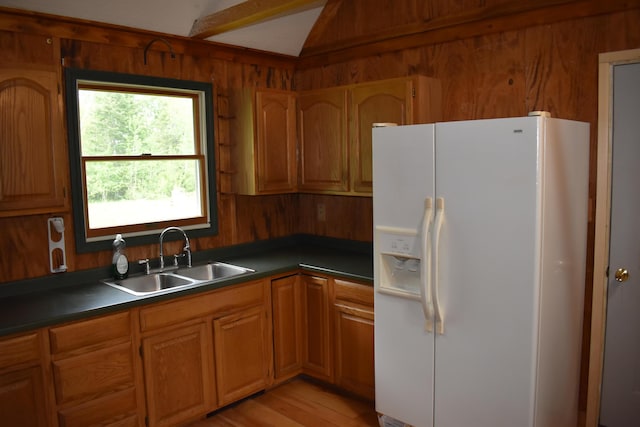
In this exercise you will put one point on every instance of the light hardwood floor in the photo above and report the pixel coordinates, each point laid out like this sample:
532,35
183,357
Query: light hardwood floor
294,404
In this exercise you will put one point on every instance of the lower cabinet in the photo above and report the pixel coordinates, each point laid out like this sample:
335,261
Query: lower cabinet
241,344
178,374
22,393
203,352
286,303
353,342
187,357
92,362
323,328
317,349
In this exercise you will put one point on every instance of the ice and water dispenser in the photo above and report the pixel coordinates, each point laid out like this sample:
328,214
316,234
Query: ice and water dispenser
400,258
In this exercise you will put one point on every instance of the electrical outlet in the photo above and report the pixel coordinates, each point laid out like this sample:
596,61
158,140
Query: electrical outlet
321,212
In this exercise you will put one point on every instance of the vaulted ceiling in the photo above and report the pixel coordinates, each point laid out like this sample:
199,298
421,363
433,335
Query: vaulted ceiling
279,26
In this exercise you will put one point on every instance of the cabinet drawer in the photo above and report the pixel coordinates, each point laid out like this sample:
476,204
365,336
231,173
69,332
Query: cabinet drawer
87,333
94,373
22,349
353,292
221,301
115,410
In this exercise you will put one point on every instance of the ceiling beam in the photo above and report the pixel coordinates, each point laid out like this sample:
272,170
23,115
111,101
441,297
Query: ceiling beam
247,13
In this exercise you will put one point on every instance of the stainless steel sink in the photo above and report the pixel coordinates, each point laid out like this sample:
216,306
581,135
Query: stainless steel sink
183,277
152,283
212,271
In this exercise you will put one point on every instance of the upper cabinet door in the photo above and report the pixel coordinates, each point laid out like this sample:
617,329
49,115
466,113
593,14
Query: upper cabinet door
324,161
335,129
276,147
265,141
33,157
383,102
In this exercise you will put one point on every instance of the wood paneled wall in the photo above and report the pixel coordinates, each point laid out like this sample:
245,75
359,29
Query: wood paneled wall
346,217
496,74
542,62
493,60
23,240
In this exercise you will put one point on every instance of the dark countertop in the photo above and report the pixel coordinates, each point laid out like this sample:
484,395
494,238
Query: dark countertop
32,304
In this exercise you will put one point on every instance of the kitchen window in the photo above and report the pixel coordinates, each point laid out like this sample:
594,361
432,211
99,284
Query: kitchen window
141,155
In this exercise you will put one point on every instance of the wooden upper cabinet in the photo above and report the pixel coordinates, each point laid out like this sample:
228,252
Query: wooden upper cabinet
264,138
33,159
389,101
33,152
324,155
340,139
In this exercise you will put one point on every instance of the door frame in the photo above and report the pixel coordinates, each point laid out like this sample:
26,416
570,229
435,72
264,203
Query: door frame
602,225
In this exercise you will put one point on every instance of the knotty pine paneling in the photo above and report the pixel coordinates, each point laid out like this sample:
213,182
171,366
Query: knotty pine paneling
265,217
24,242
26,49
346,217
551,67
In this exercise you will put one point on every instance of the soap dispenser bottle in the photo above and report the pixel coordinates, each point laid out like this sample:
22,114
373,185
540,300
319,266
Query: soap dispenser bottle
120,265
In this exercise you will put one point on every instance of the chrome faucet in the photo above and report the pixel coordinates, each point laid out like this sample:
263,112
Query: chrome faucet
186,249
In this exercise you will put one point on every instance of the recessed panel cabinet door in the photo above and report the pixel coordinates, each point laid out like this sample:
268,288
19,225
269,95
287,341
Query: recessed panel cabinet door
386,102
354,349
263,141
286,299
22,398
178,375
324,156
276,142
317,351
33,161
240,341
354,337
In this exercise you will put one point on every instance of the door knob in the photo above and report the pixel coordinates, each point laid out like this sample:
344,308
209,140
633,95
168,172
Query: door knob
622,275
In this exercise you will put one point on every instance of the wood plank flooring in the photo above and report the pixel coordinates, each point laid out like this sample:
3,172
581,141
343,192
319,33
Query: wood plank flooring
294,404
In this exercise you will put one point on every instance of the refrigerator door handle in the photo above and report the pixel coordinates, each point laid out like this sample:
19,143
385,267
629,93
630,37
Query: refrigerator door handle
439,312
425,265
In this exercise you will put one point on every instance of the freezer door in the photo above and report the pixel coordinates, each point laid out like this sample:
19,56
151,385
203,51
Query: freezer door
403,174
486,172
403,177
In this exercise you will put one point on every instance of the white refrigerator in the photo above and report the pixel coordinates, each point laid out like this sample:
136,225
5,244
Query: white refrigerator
480,234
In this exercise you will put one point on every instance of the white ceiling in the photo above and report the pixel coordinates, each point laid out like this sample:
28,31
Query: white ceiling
284,35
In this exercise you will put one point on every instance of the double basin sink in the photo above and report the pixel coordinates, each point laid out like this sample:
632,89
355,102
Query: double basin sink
177,279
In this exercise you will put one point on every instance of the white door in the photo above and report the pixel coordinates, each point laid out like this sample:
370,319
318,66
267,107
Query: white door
620,401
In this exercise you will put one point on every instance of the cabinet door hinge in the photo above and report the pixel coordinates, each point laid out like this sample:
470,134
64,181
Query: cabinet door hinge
413,92
140,351
146,421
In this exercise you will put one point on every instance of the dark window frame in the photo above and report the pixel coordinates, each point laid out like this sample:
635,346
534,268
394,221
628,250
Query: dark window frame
72,78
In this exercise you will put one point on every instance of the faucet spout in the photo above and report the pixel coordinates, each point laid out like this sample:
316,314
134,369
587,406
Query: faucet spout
186,249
